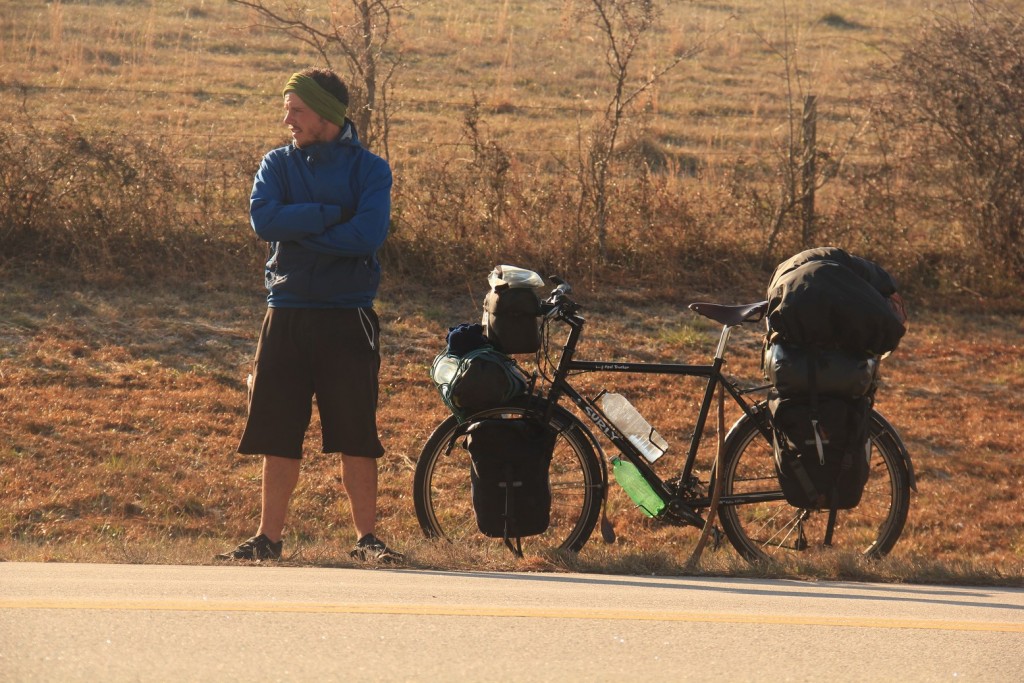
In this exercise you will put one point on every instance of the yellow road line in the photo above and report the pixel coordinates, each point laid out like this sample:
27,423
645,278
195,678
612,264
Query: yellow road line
505,612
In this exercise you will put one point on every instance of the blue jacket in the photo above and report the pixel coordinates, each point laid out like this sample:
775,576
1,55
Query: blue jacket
325,210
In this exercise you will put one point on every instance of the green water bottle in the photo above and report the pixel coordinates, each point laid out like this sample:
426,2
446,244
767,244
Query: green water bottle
634,484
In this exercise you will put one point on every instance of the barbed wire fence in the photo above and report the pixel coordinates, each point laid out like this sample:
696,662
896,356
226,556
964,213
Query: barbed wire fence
769,118
218,164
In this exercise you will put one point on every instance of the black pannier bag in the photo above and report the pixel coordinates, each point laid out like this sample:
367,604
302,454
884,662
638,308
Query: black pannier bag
511,319
827,299
822,450
510,465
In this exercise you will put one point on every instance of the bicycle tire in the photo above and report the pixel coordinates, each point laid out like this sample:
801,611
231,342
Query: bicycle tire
773,529
443,498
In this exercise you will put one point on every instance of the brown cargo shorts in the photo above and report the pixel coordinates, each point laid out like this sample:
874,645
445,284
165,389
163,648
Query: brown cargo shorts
330,354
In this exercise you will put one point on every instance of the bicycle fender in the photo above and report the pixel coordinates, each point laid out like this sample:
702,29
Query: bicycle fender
908,463
758,411
542,405
602,459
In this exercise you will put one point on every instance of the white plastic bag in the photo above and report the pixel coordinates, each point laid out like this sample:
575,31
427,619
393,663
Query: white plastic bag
514,276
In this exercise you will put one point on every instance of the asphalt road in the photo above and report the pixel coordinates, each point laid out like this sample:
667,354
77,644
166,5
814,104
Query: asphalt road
82,622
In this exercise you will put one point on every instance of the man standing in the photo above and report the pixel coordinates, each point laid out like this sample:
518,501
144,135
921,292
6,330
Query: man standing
323,203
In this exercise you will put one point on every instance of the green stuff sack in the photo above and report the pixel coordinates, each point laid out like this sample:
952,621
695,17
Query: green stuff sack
482,378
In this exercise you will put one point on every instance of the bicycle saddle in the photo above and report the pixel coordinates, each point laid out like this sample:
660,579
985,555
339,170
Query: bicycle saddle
731,315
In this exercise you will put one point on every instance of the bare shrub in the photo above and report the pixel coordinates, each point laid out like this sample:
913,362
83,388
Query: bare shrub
623,27
662,218
784,205
481,205
460,213
952,129
111,206
361,32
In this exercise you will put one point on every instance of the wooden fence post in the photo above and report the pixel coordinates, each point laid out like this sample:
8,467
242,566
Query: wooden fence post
810,134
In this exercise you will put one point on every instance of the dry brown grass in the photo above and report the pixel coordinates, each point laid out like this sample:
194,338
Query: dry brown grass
189,92
121,410
120,404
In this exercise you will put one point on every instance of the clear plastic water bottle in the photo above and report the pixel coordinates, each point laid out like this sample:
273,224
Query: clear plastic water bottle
443,369
634,484
632,424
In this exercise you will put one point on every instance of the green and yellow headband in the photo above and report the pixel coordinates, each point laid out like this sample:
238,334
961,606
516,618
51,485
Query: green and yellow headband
317,98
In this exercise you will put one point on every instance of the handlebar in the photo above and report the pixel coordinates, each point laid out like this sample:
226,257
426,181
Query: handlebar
558,301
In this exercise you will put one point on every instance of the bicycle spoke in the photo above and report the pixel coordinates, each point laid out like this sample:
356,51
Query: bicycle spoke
761,529
443,496
770,531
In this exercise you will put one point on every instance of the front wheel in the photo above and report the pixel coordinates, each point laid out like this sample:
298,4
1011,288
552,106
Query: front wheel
444,499
767,527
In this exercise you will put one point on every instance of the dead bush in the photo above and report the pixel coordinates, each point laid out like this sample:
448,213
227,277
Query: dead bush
115,207
952,134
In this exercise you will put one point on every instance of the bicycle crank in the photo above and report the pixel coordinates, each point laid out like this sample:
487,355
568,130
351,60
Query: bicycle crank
683,513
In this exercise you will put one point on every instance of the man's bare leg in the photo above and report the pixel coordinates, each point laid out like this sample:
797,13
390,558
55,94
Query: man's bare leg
280,475
360,477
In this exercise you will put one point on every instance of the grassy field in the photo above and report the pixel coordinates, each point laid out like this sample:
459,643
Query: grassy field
121,400
206,68
121,411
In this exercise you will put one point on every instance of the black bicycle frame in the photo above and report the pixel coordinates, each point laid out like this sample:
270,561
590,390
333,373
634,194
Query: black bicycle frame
713,373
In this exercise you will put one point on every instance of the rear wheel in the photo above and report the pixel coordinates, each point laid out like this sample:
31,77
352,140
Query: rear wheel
443,497
770,528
